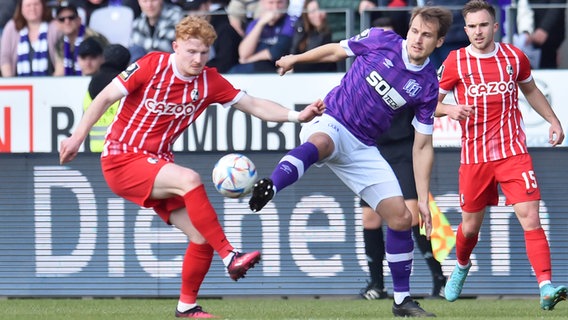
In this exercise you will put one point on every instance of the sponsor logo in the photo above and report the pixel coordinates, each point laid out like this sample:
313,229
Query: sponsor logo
490,88
389,95
440,72
170,108
152,160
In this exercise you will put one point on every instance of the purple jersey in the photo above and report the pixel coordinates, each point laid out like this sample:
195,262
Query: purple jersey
380,84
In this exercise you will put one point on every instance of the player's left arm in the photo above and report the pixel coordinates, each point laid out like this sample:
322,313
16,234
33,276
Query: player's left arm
330,52
423,159
269,110
538,102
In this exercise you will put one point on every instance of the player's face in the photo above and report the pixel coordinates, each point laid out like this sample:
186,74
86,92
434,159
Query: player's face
480,28
421,40
191,56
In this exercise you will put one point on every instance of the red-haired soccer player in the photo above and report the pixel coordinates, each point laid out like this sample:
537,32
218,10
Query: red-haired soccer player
485,77
163,94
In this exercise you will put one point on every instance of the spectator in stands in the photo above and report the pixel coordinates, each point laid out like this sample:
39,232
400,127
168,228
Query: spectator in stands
116,59
549,31
295,8
267,39
311,31
399,19
28,41
74,33
91,5
241,13
90,56
224,52
337,20
7,10
154,30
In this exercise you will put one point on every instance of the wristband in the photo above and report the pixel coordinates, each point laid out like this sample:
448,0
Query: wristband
293,116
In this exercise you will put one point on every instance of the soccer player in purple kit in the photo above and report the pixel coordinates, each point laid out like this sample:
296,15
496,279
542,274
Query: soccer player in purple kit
388,75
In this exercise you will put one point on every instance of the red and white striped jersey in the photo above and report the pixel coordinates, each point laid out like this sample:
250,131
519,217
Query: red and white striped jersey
495,130
160,104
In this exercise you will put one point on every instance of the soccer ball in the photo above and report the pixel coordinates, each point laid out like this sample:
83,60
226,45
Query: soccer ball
234,175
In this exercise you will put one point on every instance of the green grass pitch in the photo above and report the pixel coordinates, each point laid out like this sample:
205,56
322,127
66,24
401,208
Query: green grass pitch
271,308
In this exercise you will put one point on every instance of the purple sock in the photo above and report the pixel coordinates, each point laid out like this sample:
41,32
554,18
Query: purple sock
293,165
400,252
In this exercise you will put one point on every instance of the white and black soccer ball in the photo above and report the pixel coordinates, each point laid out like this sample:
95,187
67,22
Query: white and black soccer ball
234,175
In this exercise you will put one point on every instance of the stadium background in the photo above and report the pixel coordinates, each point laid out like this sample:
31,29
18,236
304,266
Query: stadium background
64,234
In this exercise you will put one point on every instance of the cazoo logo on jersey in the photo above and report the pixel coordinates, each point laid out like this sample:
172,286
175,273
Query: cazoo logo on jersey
491,88
170,108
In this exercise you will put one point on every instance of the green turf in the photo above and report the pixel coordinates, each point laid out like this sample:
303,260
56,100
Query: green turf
270,309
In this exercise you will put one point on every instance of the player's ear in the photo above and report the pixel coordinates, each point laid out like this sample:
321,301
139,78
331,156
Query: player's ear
174,45
440,42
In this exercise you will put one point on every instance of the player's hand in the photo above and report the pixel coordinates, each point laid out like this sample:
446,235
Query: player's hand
366,5
285,64
555,134
68,149
313,110
425,218
460,112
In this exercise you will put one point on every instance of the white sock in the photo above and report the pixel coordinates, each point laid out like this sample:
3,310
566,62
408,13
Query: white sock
183,307
399,296
228,258
543,283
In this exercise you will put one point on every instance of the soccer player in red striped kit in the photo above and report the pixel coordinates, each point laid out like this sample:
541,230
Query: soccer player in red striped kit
163,93
485,77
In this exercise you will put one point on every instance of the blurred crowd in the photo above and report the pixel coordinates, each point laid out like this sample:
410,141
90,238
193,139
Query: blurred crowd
68,37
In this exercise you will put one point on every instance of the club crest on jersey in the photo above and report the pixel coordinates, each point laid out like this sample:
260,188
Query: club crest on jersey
509,69
194,95
412,87
129,71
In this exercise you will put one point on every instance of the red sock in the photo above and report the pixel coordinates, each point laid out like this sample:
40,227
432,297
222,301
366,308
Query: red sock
195,266
464,246
538,252
204,219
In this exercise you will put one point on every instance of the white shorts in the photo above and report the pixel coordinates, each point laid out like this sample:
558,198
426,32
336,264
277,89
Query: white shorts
361,167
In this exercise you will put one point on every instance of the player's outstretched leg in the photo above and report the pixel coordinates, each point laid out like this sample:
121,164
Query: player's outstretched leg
550,296
410,308
262,192
454,285
241,263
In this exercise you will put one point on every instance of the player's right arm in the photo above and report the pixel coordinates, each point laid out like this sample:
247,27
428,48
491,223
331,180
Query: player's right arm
454,111
70,146
331,52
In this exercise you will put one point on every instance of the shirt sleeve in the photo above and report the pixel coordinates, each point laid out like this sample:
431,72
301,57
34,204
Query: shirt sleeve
447,74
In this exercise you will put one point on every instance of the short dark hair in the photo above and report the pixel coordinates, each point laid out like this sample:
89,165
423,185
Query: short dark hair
437,14
478,5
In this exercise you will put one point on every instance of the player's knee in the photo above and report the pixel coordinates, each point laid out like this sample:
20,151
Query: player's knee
190,179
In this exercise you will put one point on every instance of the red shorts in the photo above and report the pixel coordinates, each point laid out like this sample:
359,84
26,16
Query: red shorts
478,183
132,175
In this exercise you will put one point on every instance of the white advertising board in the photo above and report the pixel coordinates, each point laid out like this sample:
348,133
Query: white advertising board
37,113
